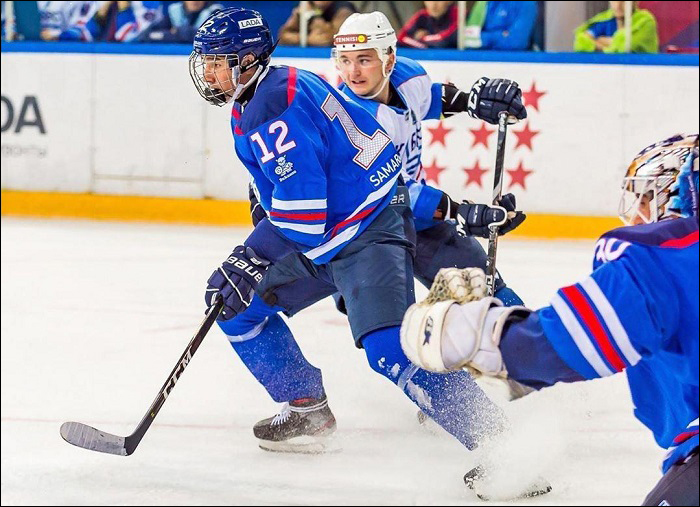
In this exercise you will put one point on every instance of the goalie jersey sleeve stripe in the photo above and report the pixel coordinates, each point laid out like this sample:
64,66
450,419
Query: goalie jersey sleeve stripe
595,331
590,365
612,321
628,308
595,328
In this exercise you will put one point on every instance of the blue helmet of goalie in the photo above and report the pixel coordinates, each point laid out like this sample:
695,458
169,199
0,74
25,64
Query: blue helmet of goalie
230,43
662,182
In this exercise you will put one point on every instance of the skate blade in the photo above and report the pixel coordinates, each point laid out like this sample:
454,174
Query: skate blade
301,445
538,489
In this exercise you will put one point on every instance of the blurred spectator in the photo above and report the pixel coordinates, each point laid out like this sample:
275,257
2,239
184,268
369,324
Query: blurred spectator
676,23
180,23
606,31
501,25
123,21
326,20
65,20
3,21
435,26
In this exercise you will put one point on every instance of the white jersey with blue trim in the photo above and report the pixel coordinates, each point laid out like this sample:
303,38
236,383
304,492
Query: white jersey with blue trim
638,311
323,167
423,101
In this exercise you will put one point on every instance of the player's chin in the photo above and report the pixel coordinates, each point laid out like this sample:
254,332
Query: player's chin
359,89
225,95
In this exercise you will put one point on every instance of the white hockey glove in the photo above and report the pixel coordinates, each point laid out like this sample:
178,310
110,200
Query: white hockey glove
445,335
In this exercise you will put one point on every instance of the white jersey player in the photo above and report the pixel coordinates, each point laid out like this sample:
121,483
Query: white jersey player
400,95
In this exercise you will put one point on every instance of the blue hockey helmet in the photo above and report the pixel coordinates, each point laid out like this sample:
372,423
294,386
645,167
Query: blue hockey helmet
229,42
662,181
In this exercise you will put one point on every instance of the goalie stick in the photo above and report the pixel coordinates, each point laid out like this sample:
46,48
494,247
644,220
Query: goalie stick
90,438
497,191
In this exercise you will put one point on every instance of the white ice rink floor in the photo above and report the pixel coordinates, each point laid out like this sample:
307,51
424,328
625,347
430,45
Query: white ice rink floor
95,315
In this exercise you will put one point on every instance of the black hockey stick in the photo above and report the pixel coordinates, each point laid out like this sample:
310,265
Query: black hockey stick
87,437
497,191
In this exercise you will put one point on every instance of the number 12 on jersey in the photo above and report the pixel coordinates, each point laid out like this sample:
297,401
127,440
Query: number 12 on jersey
368,147
280,145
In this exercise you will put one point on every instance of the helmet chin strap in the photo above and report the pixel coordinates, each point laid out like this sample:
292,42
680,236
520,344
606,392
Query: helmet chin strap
240,88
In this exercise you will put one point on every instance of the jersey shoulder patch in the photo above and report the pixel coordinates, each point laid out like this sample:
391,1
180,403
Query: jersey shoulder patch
271,98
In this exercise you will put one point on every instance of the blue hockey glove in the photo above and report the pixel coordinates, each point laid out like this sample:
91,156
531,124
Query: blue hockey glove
488,97
236,281
474,219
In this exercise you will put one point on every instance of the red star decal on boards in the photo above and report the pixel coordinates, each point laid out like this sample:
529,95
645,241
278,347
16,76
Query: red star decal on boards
474,174
532,97
437,134
525,135
481,135
518,175
432,172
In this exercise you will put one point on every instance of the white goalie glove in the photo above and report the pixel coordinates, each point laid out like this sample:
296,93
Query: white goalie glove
456,326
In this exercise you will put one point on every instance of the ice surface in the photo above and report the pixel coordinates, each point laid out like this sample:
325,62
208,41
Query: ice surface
95,315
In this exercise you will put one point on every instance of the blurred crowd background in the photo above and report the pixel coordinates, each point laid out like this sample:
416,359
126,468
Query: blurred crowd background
586,26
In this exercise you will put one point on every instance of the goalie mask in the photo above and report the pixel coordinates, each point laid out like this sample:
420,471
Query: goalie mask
662,182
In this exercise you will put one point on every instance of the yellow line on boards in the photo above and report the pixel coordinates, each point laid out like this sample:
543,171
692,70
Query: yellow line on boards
564,226
220,212
125,207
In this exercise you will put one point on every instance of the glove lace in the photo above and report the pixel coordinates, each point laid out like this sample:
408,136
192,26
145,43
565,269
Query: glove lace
460,285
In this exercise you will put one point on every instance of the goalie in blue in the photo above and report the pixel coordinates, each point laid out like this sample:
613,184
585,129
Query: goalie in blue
637,312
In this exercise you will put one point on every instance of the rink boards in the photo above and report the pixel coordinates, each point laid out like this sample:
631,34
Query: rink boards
125,136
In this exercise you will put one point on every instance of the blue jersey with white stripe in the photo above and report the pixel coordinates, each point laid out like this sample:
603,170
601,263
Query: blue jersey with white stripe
323,167
638,311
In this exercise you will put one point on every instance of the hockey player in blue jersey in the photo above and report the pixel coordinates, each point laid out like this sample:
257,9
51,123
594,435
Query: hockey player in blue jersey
637,311
337,221
253,333
400,95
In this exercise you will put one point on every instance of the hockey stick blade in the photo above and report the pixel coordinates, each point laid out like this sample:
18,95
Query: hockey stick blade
87,437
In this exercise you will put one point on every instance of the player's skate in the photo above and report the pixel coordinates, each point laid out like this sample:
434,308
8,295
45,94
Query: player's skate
302,426
477,479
